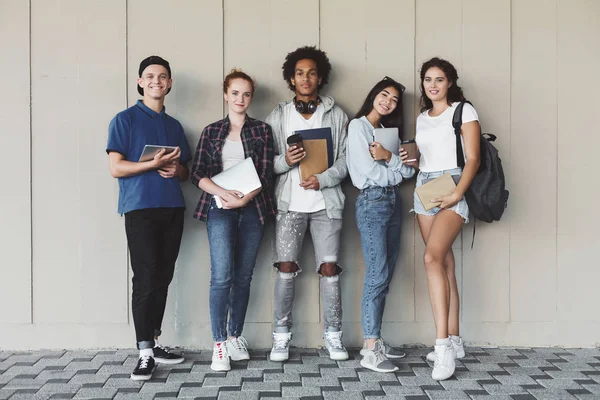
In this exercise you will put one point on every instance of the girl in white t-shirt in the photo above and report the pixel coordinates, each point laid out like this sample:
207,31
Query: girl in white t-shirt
435,137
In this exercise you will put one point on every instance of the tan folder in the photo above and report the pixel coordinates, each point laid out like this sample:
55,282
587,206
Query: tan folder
438,187
316,160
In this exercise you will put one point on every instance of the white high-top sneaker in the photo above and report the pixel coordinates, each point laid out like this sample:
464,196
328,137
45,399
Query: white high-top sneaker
220,357
459,349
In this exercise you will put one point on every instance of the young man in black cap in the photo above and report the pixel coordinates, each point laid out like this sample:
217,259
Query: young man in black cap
150,196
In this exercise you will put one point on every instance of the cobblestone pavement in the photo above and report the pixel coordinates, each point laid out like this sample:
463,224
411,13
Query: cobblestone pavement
485,373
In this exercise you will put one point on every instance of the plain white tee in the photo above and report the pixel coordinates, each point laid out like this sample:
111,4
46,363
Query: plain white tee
436,139
232,154
306,201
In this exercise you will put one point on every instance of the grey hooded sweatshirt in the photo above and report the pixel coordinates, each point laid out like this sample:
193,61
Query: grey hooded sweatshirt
330,180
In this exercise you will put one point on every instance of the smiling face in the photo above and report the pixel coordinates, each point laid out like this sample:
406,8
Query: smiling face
436,84
155,81
386,101
306,79
238,95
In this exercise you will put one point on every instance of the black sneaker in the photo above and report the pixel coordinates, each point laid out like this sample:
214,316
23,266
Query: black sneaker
144,368
164,356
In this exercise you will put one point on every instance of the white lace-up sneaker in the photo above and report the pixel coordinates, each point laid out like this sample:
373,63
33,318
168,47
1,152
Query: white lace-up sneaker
220,357
444,365
237,348
459,349
334,346
281,346
375,359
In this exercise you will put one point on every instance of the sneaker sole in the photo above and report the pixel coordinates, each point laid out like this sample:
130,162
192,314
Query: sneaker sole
366,365
391,356
140,377
240,359
336,357
169,361
279,358
220,369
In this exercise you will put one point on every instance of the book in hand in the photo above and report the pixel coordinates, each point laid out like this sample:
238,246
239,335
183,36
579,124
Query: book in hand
439,187
241,177
318,144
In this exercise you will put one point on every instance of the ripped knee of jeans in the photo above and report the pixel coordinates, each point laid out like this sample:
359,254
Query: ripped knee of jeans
287,266
330,269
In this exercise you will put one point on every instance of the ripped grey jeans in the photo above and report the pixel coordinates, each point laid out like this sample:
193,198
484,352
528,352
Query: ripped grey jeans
325,232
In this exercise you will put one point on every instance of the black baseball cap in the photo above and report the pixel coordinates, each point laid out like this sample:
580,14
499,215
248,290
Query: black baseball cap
152,60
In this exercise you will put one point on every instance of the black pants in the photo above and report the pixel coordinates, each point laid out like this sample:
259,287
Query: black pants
153,237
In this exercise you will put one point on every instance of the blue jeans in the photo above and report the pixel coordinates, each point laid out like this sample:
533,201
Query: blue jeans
234,238
379,217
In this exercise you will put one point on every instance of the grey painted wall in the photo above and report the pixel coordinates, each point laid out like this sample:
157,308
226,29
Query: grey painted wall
69,66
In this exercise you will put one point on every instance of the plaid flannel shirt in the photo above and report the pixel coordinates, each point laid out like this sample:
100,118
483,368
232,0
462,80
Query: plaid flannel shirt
257,140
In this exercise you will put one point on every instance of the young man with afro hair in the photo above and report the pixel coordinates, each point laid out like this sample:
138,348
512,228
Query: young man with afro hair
316,202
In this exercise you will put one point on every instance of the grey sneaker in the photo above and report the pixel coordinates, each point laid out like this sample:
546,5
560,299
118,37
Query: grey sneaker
334,346
459,350
281,346
388,350
376,360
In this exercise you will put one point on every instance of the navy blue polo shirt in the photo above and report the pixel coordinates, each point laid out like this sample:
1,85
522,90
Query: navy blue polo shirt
128,133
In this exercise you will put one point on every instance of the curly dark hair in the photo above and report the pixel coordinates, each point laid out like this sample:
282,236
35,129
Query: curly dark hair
394,120
306,52
455,92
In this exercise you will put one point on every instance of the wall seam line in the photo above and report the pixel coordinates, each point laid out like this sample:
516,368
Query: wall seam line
31,308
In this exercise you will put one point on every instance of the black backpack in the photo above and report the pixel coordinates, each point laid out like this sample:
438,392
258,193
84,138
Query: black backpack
487,196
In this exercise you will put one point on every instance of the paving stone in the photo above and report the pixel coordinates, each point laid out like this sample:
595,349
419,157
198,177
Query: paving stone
300,391
560,384
447,394
223,381
194,392
504,389
552,394
238,395
96,393
343,396
361,386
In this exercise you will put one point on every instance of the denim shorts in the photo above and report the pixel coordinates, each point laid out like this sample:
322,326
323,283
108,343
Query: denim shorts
461,208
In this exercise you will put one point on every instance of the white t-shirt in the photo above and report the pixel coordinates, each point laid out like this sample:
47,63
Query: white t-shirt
232,154
306,201
436,139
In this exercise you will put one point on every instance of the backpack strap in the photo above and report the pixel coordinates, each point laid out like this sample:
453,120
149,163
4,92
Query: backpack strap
460,155
457,125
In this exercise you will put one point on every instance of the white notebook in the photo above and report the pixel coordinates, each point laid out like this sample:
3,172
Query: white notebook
388,137
241,177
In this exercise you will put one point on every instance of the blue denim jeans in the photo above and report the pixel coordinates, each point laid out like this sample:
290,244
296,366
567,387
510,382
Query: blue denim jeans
379,217
234,238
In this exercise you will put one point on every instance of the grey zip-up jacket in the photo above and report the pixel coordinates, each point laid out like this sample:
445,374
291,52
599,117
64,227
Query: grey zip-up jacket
330,180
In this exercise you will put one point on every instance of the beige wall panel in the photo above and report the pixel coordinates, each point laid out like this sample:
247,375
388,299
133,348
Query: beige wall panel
15,213
251,53
578,139
55,160
344,38
533,141
578,50
103,251
578,296
191,40
485,78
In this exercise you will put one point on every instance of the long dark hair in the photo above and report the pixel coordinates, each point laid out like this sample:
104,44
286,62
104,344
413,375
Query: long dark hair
394,119
455,92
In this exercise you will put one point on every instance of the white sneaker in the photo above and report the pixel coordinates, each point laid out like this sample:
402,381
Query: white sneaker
237,349
459,349
375,359
334,346
444,365
281,346
388,350
220,357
